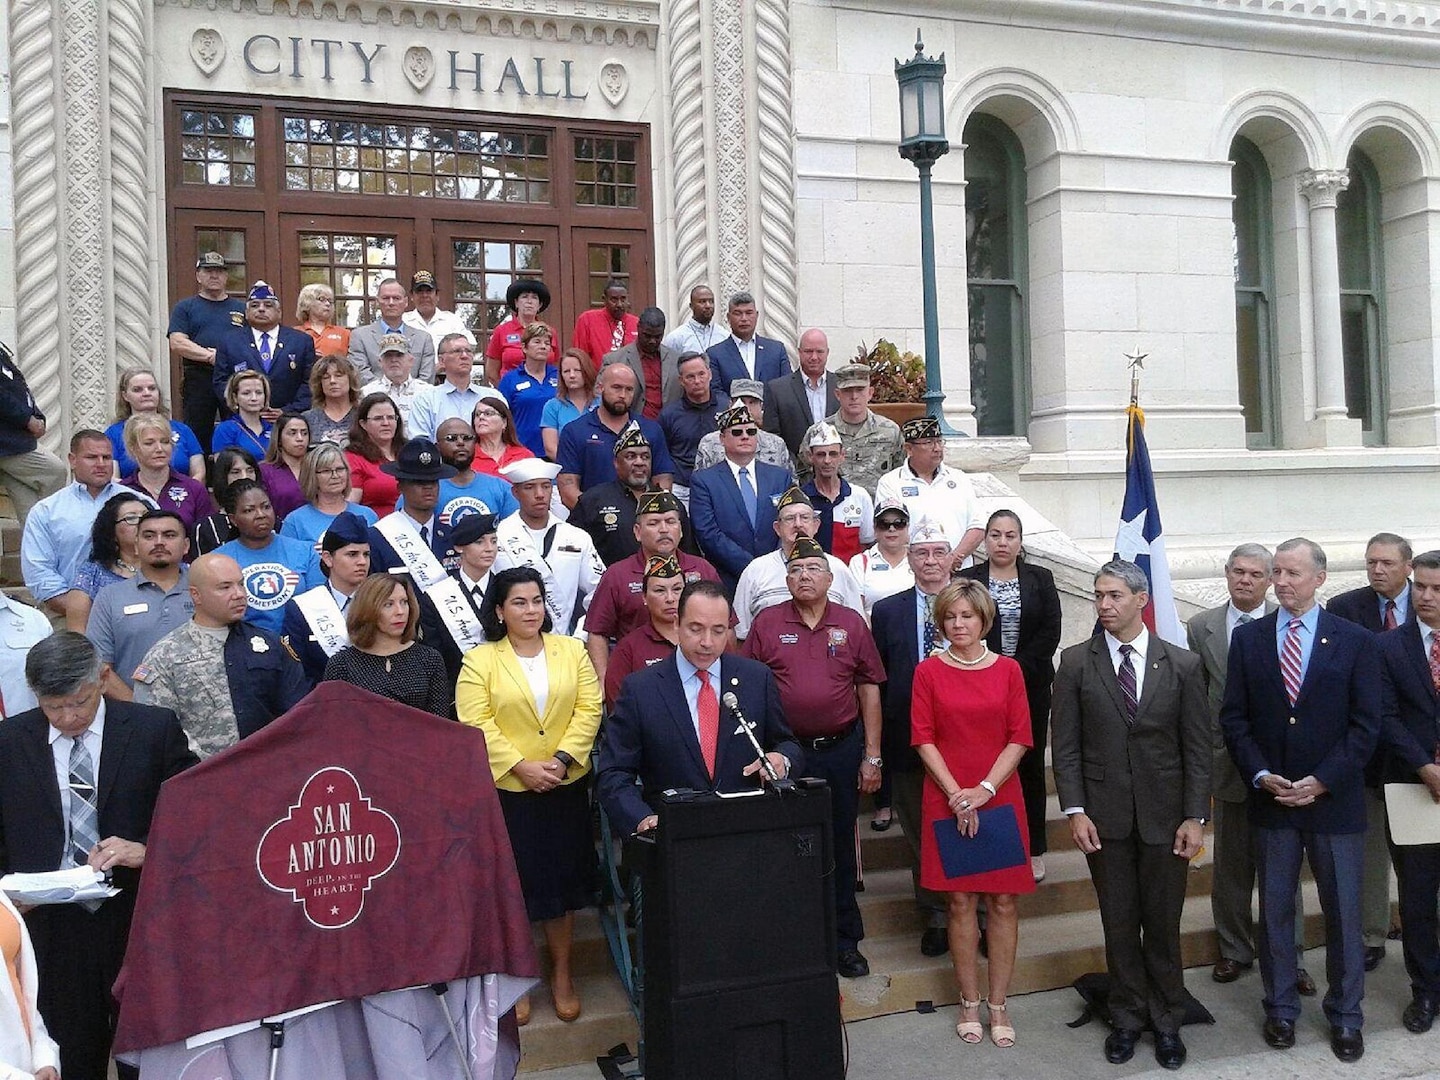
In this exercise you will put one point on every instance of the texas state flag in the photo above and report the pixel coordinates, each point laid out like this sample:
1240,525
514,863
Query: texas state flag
1141,539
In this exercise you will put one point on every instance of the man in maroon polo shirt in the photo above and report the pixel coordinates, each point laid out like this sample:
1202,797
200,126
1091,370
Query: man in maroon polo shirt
618,605
656,638
829,674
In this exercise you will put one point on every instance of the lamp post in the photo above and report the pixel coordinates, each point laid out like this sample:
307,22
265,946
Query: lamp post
922,141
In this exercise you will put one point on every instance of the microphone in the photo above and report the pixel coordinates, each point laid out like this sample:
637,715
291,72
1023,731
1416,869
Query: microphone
731,702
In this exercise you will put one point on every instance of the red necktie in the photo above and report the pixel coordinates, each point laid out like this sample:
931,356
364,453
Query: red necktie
1435,660
1290,661
707,708
1390,623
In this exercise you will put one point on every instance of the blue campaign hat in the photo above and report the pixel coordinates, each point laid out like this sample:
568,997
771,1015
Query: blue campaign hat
346,529
261,291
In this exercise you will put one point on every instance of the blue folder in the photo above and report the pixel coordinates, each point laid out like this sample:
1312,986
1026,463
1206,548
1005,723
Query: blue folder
995,846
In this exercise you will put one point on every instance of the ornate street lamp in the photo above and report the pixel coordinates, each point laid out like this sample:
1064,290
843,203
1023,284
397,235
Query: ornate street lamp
922,141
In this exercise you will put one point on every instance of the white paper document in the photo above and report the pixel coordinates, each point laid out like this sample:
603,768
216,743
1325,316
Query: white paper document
1414,815
57,886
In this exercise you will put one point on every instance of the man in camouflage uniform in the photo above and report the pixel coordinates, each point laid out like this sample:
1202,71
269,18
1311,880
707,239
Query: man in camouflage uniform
225,678
873,445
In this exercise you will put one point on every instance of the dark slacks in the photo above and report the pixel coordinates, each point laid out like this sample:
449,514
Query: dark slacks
1141,890
1031,771
839,766
906,787
197,396
1336,859
1233,885
77,958
1418,871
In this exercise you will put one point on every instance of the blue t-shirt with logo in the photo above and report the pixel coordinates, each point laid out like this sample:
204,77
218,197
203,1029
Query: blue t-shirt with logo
527,396
205,322
273,576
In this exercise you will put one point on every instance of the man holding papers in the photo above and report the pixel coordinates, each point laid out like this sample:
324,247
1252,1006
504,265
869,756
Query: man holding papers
81,777
1409,749
1130,746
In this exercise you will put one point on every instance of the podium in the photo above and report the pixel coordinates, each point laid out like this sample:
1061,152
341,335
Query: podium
738,937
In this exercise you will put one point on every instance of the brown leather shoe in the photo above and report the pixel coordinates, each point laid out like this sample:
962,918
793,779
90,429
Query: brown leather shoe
1227,970
1304,983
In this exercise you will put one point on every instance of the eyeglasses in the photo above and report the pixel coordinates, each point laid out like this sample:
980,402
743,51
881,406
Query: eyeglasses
458,437
129,519
744,432
486,414
334,470
806,571
466,351
890,523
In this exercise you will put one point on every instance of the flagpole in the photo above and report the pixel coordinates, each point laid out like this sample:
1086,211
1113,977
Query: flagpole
1137,362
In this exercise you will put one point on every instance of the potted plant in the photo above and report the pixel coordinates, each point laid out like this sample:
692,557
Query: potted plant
897,381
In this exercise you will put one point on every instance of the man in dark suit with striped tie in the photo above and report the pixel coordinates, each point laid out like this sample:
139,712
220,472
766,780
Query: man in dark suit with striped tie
79,778
1301,715
1410,753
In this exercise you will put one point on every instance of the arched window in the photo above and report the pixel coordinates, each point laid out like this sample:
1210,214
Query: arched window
1254,291
995,260
1362,297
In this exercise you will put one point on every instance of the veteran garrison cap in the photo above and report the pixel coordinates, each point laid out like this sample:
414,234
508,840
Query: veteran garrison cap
656,502
852,375
926,531
806,547
922,427
735,416
793,496
662,567
261,291
632,438
822,434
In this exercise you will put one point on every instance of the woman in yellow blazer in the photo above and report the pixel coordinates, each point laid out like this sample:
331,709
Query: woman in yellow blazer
536,697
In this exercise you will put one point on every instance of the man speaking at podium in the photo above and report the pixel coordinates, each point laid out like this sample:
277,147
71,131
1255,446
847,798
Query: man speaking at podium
671,730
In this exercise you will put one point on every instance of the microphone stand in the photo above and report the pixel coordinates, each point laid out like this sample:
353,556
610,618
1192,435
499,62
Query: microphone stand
779,783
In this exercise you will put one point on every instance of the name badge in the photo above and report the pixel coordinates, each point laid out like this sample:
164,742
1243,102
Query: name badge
523,385
910,491
135,609
789,639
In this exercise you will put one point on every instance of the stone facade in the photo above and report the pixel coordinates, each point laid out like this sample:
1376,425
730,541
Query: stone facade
774,126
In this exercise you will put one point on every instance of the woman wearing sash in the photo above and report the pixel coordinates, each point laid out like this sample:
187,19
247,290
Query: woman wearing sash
314,623
383,655
473,539
536,697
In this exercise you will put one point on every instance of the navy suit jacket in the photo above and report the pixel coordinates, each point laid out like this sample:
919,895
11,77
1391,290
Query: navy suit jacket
1410,711
383,558
650,736
142,747
1362,606
290,362
717,513
771,362
896,632
1329,733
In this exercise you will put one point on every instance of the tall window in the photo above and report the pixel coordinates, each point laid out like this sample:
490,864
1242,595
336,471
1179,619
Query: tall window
1362,297
1254,291
995,259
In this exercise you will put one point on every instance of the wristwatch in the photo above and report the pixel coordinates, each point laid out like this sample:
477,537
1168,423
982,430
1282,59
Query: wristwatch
877,762
564,759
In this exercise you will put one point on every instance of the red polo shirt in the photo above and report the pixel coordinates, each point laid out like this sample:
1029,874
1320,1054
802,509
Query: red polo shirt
618,605
817,670
638,649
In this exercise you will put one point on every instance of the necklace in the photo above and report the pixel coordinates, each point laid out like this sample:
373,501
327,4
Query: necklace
984,652
125,566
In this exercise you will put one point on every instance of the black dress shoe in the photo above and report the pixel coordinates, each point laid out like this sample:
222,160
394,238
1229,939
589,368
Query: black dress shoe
1279,1034
934,942
1348,1043
1419,1015
1373,955
1169,1049
1227,970
851,964
1304,984
1120,1045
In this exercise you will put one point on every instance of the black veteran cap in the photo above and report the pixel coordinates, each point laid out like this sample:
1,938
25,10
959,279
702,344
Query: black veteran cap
656,502
632,438
657,566
922,427
793,497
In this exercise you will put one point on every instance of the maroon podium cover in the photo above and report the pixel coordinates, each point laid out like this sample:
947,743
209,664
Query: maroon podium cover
353,846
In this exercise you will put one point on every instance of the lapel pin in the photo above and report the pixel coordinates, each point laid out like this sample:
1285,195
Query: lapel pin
734,682
1156,665
1324,641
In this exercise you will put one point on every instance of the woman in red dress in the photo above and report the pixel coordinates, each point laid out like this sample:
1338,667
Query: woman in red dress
970,724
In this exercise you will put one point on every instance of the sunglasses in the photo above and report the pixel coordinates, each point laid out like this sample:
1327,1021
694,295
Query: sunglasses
890,523
744,432
458,437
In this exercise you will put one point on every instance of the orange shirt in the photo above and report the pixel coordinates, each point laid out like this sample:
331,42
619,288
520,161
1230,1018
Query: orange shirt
329,340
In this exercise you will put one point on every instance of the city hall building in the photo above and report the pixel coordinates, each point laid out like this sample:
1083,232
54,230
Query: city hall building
1246,190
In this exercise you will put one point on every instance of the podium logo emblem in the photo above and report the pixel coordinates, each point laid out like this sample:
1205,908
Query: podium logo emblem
329,849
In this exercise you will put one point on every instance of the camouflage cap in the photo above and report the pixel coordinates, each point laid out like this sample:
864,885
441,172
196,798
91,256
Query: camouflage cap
852,375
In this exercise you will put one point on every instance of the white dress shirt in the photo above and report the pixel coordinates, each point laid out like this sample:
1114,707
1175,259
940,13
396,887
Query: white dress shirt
1233,615
60,745
693,336
1141,644
747,355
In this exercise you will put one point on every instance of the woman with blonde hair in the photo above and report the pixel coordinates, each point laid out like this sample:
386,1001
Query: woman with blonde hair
334,393
536,697
314,312
149,439
496,442
325,483
139,392
574,397
248,396
383,655
970,724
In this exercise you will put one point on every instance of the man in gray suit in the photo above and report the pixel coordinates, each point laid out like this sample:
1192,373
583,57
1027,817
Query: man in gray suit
1130,745
1247,579
364,355
652,361
803,397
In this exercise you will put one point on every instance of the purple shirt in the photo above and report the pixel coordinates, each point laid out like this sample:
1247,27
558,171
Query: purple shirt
284,489
182,494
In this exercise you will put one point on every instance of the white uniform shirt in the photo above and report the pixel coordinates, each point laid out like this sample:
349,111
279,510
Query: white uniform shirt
948,500
762,585
21,626
571,572
441,324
